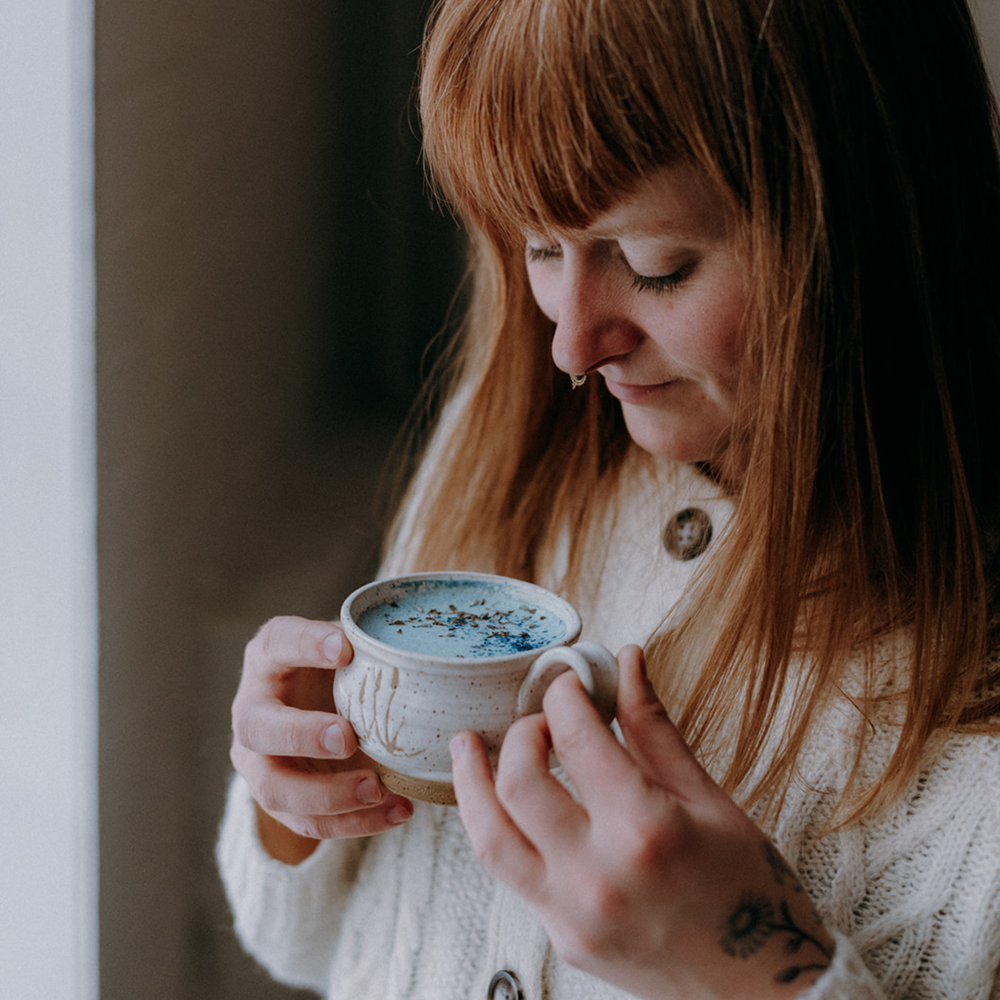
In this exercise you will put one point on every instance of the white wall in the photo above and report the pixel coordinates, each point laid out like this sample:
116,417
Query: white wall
48,781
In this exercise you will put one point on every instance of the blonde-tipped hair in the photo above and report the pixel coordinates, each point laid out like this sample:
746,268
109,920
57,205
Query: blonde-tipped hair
857,149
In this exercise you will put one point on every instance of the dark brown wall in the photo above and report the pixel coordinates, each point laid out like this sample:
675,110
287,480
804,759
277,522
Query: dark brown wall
268,273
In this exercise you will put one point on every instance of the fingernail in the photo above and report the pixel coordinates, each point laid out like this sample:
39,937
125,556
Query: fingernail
333,644
399,813
333,740
459,745
369,792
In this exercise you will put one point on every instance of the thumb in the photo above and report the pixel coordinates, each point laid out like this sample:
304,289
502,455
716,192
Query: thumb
651,738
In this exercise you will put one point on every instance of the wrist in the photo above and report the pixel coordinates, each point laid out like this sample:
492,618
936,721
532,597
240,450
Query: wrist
280,842
780,942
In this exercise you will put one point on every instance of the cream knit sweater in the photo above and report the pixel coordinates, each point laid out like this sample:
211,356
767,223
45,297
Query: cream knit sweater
913,898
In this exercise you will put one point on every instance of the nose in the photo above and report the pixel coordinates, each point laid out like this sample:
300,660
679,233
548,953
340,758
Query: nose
593,325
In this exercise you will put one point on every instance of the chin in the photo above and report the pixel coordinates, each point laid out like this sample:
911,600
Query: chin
675,439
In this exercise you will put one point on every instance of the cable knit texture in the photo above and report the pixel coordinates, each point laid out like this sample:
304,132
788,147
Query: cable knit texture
912,896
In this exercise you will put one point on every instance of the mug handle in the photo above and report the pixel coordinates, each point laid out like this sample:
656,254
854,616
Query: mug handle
594,665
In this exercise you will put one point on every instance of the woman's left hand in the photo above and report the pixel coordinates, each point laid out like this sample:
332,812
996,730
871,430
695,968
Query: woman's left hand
655,880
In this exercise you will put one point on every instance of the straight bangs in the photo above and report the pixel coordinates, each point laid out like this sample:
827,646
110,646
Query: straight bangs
538,115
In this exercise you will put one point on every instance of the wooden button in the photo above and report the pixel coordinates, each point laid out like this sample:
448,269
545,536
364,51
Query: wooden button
687,534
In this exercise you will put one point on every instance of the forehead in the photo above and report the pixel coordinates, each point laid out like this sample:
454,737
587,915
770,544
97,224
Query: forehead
675,202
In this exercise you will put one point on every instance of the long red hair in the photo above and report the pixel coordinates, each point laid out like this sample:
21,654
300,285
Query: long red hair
858,151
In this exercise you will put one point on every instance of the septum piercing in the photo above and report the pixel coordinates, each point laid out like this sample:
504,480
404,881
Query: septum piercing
577,380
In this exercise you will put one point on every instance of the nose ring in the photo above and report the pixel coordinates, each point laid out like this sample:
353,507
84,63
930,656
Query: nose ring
578,380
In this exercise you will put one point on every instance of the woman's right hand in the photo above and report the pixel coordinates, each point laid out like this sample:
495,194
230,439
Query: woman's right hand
299,758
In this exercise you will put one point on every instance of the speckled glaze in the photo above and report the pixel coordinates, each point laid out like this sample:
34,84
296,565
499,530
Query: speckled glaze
405,706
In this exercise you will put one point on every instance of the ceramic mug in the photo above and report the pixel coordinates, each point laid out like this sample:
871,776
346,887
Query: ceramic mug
437,653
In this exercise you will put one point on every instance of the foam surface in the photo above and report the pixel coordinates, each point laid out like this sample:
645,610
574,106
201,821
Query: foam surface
462,618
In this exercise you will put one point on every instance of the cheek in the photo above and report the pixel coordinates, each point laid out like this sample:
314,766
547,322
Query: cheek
545,290
712,338
705,342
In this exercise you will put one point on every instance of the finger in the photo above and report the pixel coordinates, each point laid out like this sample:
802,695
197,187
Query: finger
268,727
279,784
288,641
533,797
502,848
600,768
652,739
286,654
359,823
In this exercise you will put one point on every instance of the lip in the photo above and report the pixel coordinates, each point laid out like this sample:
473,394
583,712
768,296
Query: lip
629,393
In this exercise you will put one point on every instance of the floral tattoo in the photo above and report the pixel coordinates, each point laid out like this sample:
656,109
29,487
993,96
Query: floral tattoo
755,920
748,927
780,868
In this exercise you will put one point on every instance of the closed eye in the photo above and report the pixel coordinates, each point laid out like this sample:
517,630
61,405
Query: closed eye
662,282
642,282
537,254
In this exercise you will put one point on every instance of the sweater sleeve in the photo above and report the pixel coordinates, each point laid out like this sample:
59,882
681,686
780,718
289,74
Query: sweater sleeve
847,978
914,897
287,917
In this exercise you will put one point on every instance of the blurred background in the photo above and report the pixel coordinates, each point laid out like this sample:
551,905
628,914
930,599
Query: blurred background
269,275
221,282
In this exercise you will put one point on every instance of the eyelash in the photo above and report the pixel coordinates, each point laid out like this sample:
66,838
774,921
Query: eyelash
661,282
538,254
642,282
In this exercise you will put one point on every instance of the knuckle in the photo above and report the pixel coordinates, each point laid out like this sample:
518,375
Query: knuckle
559,690
248,766
246,729
269,798
572,741
653,840
241,728
511,788
274,788
290,641
489,853
312,827
236,752
576,945
263,638
334,799
258,789
593,929
608,901
270,635
344,825
360,823
488,857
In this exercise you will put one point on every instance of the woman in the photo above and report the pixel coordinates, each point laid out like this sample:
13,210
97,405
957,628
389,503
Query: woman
759,238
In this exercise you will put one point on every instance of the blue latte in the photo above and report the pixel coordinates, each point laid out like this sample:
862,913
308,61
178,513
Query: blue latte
461,618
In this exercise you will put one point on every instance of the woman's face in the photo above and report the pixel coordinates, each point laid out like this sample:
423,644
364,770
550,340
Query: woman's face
651,297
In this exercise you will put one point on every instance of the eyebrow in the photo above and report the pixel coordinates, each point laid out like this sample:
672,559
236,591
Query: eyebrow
646,232
703,225
651,233
659,230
